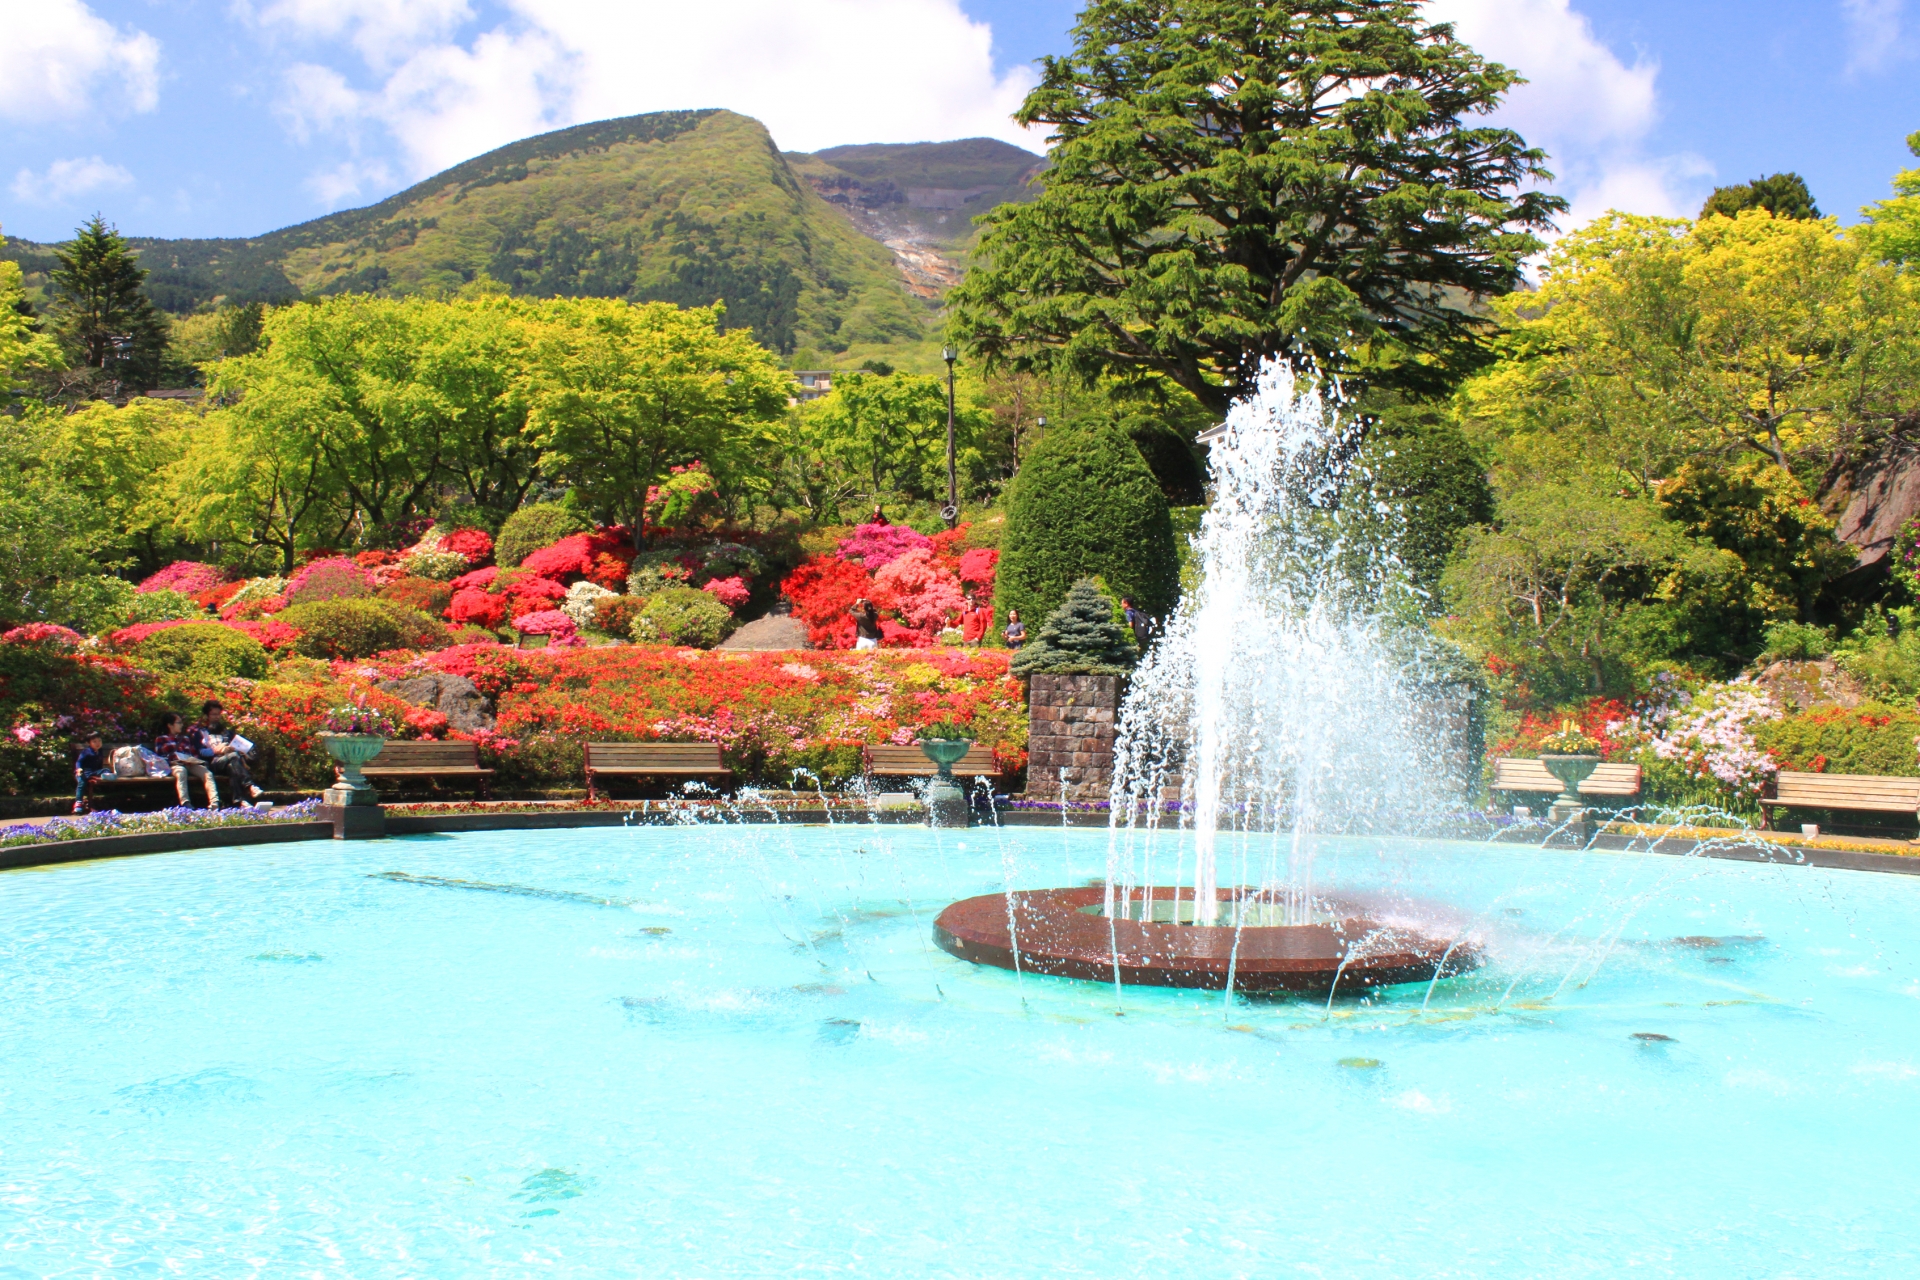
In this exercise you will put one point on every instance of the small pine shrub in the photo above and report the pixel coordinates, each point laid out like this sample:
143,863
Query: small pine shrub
683,616
202,653
531,528
360,628
1079,638
1085,505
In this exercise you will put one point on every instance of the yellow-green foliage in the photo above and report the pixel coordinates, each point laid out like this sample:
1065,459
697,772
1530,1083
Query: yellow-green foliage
202,653
1872,738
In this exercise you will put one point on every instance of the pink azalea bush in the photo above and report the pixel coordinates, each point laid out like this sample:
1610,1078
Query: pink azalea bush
188,577
546,622
1709,733
731,592
43,633
923,592
334,578
878,545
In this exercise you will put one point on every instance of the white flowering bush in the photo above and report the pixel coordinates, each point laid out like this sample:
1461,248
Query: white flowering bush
1708,734
583,598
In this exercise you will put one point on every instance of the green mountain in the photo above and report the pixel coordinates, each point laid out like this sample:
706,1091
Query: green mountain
682,206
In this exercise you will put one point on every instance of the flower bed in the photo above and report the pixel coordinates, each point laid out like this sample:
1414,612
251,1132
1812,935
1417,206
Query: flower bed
111,822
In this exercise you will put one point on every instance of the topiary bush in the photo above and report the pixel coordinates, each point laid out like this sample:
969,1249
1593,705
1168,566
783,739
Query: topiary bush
531,528
683,616
1872,738
1081,637
360,628
615,615
203,652
1085,505
161,606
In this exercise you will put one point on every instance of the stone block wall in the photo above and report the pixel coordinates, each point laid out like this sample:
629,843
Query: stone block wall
1070,726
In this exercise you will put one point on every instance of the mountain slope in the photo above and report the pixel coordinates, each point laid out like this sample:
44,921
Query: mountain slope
684,207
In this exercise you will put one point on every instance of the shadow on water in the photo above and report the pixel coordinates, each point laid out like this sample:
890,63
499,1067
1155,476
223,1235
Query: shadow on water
521,890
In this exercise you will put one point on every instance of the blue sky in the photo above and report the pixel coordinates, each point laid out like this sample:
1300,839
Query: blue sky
233,117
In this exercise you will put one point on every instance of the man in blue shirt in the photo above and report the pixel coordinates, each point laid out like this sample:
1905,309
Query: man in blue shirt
91,764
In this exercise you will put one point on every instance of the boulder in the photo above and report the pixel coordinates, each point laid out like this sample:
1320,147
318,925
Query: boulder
455,697
771,633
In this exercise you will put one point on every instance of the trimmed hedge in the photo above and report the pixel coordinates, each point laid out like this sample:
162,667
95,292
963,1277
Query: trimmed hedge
1085,506
203,652
360,628
683,616
1872,738
531,528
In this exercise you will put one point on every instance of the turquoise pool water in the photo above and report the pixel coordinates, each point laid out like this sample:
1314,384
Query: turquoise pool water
734,1052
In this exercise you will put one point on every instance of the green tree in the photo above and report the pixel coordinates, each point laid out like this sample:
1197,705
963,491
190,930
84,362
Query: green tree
1892,227
1784,195
880,435
256,482
1080,637
1233,180
100,309
23,348
113,458
47,532
621,393
1085,505
1416,461
240,329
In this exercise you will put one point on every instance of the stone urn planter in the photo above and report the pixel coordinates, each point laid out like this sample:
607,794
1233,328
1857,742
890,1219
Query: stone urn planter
351,751
1570,770
946,800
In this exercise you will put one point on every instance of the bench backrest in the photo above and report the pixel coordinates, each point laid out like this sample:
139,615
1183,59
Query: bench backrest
1610,779
913,762
1863,792
426,755
673,756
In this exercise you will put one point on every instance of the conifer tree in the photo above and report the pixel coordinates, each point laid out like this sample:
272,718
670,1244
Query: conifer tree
1079,638
99,309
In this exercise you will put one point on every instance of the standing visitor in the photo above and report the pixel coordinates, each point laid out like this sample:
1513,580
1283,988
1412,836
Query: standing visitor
174,746
866,625
92,764
211,742
1016,629
1138,622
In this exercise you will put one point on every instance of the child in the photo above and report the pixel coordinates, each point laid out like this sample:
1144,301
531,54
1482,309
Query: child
91,764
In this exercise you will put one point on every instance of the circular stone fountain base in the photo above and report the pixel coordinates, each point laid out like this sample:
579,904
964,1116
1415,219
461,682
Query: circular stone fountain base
1064,933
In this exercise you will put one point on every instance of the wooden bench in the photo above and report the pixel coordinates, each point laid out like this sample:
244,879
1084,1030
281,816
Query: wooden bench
912,762
405,761
1849,792
1608,781
100,788
684,760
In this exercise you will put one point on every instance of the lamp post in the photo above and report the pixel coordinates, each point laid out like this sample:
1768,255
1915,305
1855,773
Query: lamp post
952,512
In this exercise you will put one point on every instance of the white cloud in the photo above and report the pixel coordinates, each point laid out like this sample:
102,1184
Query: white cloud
337,185
56,54
66,180
816,72
384,31
1587,107
1873,33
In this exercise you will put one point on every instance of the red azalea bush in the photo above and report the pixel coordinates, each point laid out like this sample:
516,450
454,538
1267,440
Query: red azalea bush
895,636
423,594
822,591
127,637
769,713
580,555
188,577
475,544
254,610
480,579
276,636
1597,718
731,592
477,607
979,567
531,595
334,578
877,545
216,598
43,633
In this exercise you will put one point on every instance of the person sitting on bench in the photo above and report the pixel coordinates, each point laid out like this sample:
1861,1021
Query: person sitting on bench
91,764
211,740
176,748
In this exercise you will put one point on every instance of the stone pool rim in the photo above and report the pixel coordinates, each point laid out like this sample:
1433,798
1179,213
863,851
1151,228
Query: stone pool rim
60,852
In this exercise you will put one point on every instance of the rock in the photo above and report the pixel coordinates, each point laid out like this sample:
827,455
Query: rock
771,633
1796,686
455,697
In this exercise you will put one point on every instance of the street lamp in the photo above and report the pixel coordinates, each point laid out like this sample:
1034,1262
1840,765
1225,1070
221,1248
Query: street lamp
952,512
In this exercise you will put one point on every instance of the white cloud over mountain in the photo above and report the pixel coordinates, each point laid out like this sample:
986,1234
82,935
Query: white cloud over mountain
60,59
817,72
67,180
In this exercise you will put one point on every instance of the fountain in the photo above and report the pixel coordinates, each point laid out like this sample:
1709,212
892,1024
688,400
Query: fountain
1286,703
